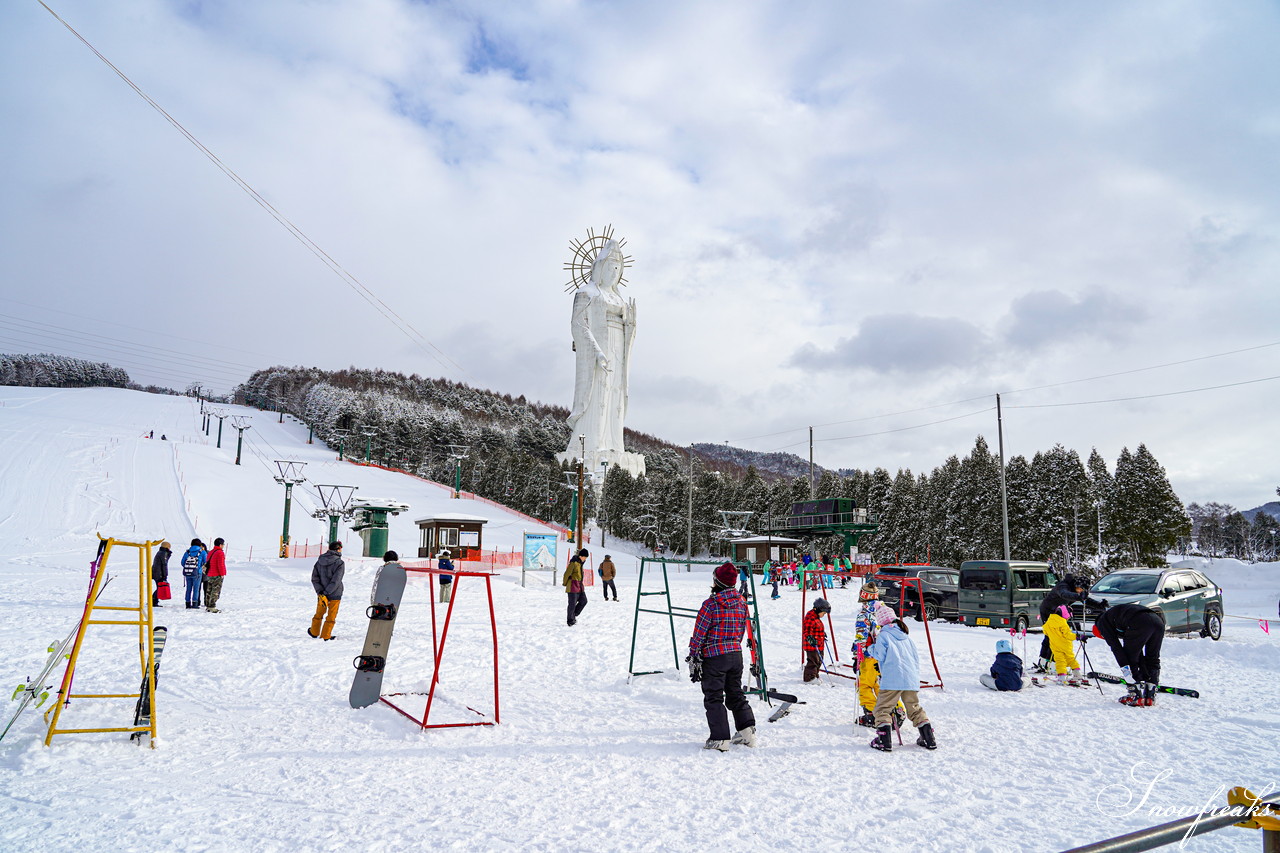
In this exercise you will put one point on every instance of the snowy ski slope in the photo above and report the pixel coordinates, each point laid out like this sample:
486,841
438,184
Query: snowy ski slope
259,749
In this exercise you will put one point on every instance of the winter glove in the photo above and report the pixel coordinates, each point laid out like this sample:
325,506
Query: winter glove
695,667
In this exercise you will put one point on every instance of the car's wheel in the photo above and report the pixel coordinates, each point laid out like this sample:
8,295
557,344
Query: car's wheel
1020,624
930,611
1212,625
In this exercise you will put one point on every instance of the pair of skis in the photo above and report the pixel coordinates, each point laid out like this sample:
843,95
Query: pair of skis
36,689
1160,688
142,711
762,689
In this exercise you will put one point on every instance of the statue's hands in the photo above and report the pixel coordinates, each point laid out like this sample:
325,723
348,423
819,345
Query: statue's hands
603,363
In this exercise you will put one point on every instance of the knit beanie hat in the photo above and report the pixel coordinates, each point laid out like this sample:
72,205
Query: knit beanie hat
1003,646
726,575
885,614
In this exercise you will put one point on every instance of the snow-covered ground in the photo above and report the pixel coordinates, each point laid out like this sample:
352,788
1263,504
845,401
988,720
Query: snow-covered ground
259,749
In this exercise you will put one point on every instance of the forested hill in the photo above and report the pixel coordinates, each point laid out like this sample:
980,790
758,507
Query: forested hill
948,515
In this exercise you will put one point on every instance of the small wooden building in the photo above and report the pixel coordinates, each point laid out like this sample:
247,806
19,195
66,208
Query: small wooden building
757,549
462,535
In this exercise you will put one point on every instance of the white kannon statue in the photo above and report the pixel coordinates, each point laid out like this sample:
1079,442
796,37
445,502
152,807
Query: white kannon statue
604,327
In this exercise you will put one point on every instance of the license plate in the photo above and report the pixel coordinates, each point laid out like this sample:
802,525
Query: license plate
982,620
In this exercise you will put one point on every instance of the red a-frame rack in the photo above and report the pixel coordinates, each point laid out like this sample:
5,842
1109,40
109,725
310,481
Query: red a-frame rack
439,635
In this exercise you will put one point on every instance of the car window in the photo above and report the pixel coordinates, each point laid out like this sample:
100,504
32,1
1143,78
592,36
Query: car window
1190,580
1171,582
1123,583
982,579
1201,579
1040,580
1020,579
953,577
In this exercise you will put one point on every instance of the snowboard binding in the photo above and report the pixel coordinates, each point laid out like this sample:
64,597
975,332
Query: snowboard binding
370,663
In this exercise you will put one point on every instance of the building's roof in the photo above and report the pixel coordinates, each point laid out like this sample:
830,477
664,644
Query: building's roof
764,540
451,516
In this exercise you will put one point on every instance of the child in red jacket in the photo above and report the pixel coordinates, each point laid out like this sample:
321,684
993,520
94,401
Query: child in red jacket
813,638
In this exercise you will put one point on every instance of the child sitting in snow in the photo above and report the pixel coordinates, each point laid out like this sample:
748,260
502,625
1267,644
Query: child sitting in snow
1061,642
899,681
1006,671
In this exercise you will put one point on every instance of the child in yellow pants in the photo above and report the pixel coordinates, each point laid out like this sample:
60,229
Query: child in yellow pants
1062,642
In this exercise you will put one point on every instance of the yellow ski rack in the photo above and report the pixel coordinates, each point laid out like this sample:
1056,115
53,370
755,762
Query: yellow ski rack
142,617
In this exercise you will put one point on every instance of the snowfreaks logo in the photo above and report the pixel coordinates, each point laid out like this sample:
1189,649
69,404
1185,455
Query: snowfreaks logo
1121,800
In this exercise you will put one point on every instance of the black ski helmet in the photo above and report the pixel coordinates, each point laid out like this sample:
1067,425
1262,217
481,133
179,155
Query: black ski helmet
821,605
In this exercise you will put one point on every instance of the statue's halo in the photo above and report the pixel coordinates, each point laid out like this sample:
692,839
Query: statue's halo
584,255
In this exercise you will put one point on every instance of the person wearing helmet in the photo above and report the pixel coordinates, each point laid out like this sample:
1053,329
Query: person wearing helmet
1006,671
813,637
864,635
1061,642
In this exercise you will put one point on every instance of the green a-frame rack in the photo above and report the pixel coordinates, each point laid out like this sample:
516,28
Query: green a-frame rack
649,565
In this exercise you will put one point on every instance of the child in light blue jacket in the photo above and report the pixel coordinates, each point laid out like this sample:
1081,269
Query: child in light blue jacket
899,664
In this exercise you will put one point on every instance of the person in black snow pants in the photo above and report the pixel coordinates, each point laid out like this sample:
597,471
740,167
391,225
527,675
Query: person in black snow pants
1065,593
1135,633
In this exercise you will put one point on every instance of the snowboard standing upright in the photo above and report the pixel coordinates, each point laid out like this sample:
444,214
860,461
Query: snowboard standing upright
142,711
387,592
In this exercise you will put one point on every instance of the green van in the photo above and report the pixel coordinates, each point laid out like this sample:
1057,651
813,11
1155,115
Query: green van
1003,594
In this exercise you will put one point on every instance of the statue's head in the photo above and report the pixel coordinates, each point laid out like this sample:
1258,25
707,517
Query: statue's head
606,269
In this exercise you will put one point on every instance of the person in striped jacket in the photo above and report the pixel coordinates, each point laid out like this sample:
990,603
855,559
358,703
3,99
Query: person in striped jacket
715,659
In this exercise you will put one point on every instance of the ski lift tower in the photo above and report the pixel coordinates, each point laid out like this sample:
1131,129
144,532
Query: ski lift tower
335,504
370,516
735,523
290,475
342,442
241,423
368,444
458,452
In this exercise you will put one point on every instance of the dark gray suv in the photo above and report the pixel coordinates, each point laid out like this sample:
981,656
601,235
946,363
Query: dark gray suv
1189,600
938,584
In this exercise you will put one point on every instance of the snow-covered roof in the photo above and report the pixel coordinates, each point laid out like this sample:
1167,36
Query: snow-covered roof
451,516
764,540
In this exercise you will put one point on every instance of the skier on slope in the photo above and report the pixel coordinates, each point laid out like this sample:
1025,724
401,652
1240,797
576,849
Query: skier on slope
1135,633
715,659
1065,593
813,638
1061,641
899,681
326,580
192,571
865,631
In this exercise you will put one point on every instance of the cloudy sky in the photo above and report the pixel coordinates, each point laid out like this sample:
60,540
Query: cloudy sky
864,217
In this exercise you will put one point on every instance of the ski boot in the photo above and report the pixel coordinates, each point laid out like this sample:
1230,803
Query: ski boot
746,737
1133,698
1042,665
721,745
1078,679
1149,695
926,737
867,719
883,740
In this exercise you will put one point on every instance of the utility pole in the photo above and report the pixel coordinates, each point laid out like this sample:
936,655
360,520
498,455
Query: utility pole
688,533
1004,496
239,422
582,444
812,487
290,475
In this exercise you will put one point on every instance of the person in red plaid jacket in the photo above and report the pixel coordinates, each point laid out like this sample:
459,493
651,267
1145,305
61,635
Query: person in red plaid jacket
813,638
715,659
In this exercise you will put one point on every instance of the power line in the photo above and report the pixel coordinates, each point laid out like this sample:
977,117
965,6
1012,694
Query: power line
354,283
1143,396
1006,393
